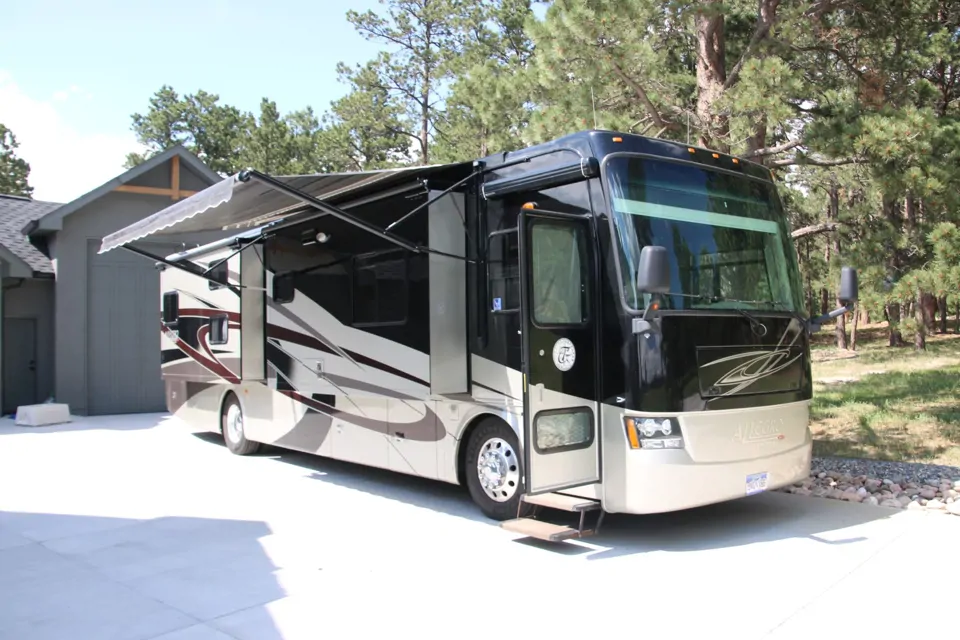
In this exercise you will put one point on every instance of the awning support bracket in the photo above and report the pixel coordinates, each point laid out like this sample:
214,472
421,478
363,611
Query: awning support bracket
259,238
185,266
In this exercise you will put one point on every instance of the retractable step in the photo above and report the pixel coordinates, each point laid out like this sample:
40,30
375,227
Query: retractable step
534,527
562,502
540,529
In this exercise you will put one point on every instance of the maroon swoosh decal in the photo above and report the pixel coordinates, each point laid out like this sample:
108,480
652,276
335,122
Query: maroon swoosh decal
289,335
212,364
426,429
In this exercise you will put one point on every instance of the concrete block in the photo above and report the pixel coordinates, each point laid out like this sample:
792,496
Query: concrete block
39,415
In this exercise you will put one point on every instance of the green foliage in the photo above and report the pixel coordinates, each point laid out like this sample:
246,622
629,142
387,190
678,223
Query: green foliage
855,104
14,171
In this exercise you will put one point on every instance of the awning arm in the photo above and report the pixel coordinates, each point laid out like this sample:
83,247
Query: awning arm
478,170
187,267
252,174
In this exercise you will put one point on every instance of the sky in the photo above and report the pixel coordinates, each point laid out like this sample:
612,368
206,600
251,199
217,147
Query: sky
72,73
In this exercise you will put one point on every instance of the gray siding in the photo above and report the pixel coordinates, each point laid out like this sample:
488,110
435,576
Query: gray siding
34,299
123,341
74,252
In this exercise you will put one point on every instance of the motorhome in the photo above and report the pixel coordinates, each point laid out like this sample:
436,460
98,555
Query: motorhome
604,323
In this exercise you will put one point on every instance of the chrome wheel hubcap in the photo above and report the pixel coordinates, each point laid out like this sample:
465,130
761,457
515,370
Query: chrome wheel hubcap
234,423
498,469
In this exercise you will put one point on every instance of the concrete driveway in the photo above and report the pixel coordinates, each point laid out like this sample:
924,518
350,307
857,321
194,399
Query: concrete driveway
134,527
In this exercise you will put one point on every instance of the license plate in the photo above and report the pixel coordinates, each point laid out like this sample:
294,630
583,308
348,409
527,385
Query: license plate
756,482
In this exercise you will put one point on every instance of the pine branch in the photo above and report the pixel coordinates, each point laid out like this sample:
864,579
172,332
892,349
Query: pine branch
644,98
768,12
814,162
813,229
772,151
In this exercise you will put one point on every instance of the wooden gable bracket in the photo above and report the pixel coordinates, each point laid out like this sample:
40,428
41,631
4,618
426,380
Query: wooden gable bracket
175,192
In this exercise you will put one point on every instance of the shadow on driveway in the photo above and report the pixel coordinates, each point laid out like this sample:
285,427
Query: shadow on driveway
762,518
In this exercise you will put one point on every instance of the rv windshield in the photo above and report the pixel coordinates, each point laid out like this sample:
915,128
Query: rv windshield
726,235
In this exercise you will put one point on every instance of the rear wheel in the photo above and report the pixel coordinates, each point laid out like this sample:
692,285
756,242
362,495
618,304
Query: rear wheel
231,424
494,469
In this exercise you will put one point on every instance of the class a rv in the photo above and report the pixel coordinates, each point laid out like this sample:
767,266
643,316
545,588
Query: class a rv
604,323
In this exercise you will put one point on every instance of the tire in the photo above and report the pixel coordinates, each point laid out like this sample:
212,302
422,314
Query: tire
231,425
502,473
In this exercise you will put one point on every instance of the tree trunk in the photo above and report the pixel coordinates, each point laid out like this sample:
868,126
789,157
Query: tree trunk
893,319
833,214
853,330
957,328
841,330
920,314
942,312
711,75
929,303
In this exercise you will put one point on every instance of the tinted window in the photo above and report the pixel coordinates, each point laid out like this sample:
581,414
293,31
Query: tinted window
558,270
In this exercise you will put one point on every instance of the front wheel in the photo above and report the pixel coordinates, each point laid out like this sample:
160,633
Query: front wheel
231,424
494,469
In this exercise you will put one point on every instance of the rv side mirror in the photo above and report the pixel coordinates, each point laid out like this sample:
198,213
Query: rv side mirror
848,286
653,272
283,290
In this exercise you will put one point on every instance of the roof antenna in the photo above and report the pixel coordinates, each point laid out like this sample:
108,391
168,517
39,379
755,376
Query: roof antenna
593,101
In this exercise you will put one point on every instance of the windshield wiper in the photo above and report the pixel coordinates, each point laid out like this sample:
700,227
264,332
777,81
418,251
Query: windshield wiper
752,318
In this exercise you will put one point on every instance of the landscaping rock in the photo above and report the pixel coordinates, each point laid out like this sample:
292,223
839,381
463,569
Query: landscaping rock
895,485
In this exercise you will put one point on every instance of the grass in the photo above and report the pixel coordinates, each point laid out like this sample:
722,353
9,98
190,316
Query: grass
887,403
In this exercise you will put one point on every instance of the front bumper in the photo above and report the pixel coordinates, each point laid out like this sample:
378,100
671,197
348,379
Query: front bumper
657,481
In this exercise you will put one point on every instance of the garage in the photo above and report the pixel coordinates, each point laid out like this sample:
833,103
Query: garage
104,309
123,344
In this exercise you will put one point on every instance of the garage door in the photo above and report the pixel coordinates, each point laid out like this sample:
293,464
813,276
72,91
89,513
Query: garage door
123,343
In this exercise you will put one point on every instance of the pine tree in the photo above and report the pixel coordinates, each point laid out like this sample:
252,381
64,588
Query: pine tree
14,171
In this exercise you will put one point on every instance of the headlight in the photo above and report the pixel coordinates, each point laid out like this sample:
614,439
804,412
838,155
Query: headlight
653,433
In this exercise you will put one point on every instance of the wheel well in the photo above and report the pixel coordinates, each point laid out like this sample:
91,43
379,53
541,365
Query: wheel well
223,405
464,442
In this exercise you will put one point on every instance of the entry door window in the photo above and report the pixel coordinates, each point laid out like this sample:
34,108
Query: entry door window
559,273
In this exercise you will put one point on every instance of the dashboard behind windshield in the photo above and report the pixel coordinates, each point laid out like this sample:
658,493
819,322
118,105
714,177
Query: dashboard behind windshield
726,235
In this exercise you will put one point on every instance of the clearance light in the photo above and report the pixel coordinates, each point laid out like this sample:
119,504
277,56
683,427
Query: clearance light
617,139
691,150
529,205
716,155
736,161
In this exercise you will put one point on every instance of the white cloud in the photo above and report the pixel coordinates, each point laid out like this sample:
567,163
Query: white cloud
65,163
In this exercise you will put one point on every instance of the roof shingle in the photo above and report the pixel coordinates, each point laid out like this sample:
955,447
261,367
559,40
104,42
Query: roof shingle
15,213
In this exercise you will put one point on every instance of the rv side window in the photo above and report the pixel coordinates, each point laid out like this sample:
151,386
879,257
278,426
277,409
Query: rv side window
218,273
171,307
283,288
503,272
380,290
558,265
218,329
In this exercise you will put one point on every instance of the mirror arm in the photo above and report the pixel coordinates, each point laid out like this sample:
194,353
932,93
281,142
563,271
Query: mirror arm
642,325
815,324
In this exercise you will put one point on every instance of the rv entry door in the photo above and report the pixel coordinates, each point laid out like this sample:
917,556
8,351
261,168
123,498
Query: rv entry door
559,324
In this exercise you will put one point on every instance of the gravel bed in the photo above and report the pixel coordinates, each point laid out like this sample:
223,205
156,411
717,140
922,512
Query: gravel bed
899,472
897,485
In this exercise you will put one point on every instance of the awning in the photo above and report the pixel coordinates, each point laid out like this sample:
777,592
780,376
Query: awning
235,204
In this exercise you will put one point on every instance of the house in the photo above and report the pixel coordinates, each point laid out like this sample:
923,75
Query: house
82,327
